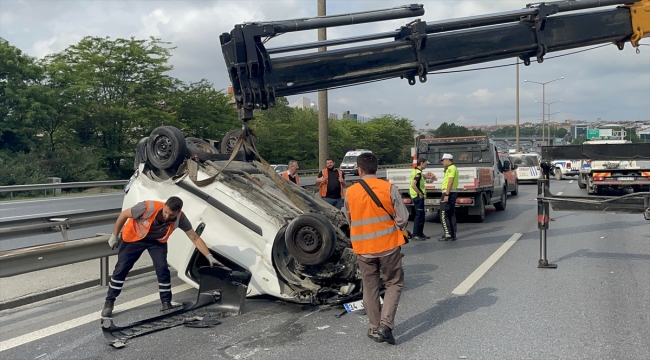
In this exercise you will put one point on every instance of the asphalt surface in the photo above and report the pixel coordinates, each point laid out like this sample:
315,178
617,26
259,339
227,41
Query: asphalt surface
595,305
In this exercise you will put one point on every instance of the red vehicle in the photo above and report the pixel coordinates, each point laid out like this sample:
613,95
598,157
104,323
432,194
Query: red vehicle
509,173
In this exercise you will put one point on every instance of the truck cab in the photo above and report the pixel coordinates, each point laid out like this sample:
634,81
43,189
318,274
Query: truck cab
349,163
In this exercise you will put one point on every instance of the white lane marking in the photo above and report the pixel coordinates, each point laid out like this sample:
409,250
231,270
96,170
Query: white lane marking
467,284
37,215
571,182
58,198
55,329
559,193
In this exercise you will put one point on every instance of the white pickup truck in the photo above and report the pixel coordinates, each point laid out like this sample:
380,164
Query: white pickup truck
564,168
480,182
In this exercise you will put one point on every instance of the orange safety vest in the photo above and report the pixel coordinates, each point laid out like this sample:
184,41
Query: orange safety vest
135,230
286,176
323,186
372,231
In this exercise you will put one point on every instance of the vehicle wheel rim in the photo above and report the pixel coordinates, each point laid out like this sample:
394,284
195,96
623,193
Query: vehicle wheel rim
308,240
163,148
231,144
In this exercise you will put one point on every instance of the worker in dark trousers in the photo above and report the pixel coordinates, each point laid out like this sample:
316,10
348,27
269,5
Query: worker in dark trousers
331,183
147,226
418,193
448,199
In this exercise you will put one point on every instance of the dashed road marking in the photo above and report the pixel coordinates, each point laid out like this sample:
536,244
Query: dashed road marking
467,284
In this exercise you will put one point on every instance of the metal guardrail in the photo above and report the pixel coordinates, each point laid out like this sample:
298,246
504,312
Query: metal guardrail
72,185
59,223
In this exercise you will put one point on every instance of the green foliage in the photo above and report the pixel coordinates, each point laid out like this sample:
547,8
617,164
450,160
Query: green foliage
453,130
579,140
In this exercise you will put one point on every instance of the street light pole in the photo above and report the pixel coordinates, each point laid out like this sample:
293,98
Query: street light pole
517,120
543,99
323,116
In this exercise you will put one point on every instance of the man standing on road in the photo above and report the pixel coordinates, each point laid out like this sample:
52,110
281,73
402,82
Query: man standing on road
331,182
376,239
418,193
292,172
147,226
448,200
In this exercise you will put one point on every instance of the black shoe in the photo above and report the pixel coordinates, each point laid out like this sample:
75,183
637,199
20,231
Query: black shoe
373,334
418,238
166,305
108,309
426,237
386,334
445,238
453,239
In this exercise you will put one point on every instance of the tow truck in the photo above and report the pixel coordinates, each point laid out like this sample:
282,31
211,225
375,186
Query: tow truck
260,74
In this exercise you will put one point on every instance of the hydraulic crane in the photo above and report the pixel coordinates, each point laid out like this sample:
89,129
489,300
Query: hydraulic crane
260,75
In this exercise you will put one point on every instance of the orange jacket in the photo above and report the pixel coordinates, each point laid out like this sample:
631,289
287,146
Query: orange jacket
286,176
135,230
323,186
372,231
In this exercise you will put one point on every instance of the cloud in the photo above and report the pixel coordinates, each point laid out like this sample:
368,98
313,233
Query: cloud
602,83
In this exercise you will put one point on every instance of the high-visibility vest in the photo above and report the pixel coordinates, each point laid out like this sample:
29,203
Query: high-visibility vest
372,231
288,177
135,230
412,192
323,186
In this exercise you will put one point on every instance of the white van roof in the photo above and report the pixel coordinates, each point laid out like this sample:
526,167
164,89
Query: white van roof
357,152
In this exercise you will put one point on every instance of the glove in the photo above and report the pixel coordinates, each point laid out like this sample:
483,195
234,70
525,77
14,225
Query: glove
112,242
213,262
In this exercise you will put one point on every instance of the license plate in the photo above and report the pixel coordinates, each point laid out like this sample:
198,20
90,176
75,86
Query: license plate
626,179
431,201
358,305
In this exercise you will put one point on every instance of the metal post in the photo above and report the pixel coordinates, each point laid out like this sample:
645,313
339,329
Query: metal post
517,121
103,271
543,111
323,115
543,212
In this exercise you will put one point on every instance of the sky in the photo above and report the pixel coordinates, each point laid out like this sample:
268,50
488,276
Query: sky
604,83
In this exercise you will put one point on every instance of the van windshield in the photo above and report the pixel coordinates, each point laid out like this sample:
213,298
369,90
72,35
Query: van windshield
525,160
461,153
350,159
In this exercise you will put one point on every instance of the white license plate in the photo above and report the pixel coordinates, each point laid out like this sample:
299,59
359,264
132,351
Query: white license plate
358,305
431,201
626,179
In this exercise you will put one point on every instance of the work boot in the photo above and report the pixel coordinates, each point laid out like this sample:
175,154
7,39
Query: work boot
168,305
445,237
373,334
386,334
108,309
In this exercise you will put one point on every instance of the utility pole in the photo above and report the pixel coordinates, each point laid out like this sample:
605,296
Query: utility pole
323,112
517,119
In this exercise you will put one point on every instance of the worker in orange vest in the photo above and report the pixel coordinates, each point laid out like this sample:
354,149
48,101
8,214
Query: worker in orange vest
376,236
331,181
147,226
292,172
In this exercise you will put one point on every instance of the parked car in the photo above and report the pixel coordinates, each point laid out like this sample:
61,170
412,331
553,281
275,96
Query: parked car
280,168
295,245
509,173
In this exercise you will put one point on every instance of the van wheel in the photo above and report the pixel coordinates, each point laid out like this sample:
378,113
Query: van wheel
501,205
166,148
581,183
203,146
516,190
481,216
310,238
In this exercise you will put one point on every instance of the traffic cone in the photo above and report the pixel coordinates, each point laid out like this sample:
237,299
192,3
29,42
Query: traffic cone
415,161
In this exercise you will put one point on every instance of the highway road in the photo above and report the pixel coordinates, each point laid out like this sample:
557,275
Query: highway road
481,297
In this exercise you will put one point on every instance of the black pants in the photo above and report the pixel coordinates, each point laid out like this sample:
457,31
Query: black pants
418,221
128,254
448,214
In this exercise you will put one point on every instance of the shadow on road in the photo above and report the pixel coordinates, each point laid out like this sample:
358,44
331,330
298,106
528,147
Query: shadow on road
417,275
443,311
603,255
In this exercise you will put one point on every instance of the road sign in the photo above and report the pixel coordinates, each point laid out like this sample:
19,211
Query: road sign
593,133
605,132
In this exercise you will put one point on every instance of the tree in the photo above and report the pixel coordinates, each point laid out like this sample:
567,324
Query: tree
453,130
203,112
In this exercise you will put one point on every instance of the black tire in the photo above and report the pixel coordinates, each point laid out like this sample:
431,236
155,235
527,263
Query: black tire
501,205
166,148
558,174
229,141
411,210
310,238
581,183
203,146
140,153
516,190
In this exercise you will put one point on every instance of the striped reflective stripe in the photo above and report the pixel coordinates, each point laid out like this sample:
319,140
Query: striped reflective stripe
370,220
140,228
164,290
117,281
373,235
161,284
443,220
114,287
